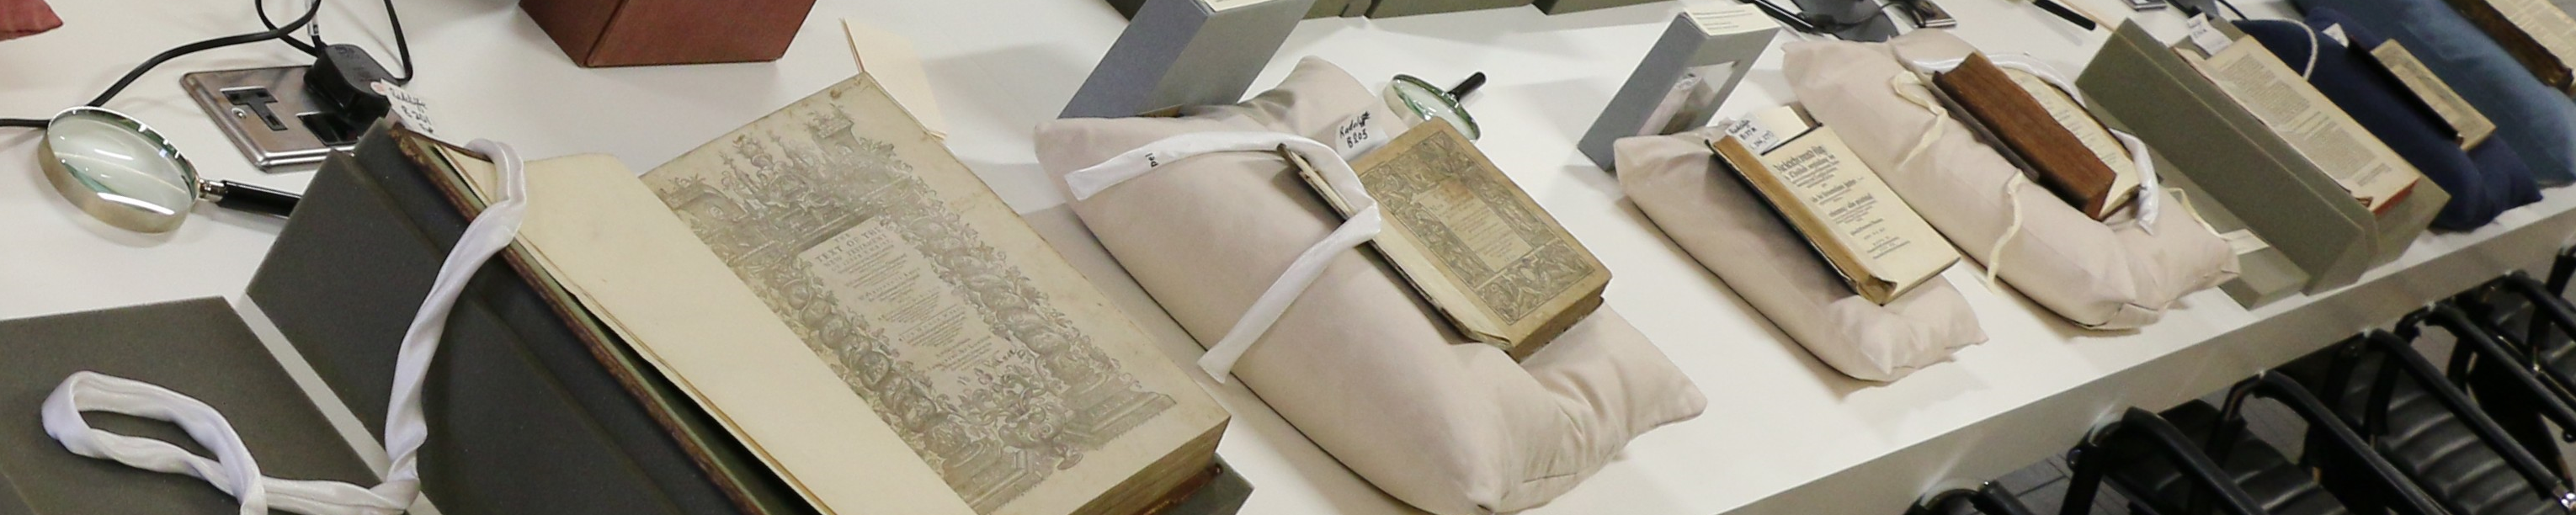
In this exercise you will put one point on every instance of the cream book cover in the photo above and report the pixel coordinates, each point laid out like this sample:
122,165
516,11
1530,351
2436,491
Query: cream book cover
1858,225
860,310
1486,256
2324,134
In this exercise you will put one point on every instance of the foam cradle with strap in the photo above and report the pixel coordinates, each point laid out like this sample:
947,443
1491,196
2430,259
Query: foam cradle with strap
1357,361
1676,181
2108,274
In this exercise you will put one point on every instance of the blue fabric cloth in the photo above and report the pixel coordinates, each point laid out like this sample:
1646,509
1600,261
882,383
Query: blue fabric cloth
2538,121
2480,189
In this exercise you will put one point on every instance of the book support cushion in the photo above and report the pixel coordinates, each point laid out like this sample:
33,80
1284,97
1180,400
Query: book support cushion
2482,183
2540,122
1677,182
2108,274
1359,363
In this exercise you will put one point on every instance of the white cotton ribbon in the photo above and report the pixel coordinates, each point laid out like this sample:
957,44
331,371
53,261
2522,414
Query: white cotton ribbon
1363,224
232,469
2148,200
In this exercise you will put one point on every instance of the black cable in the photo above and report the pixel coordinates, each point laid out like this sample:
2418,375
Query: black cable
401,45
1815,23
175,53
314,48
2231,7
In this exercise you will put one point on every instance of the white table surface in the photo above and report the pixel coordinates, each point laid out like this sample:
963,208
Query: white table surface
1784,434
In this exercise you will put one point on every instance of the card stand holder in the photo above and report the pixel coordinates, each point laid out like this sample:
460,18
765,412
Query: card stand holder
1185,53
1398,8
1678,86
2264,275
1678,183
2250,170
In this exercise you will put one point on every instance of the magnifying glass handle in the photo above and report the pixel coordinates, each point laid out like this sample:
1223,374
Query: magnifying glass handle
245,197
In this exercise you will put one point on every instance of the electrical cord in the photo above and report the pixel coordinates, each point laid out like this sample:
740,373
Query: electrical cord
402,41
2231,6
314,48
1815,23
175,53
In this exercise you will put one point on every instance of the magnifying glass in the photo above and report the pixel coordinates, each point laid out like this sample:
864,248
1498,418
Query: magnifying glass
124,173
1418,101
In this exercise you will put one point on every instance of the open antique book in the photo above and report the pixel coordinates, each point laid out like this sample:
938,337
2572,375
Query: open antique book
1479,250
862,313
1856,223
2321,132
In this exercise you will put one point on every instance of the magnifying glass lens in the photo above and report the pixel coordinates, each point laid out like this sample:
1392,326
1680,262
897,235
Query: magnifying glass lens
117,170
1419,101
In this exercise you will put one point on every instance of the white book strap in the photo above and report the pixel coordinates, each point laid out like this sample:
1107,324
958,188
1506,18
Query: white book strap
232,469
1363,224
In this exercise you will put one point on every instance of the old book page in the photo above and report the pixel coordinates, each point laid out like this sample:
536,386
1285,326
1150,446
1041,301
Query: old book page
2321,132
2548,26
1484,254
1858,224
2471,126
2096,138
632,263
904,276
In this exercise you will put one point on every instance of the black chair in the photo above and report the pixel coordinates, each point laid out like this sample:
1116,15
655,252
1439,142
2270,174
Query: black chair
1987,499
2155,482
2497,367
2428,429
2143,455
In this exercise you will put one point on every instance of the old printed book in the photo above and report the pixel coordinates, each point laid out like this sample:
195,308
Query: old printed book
2324,134
861,311
1858,226
2539,35
2056,139
2468,127
1479,250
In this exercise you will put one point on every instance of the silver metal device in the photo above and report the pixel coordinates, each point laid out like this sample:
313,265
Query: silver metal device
269,115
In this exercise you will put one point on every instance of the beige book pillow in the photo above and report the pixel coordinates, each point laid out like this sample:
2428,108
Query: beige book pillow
1676,180
2108,274
1358,363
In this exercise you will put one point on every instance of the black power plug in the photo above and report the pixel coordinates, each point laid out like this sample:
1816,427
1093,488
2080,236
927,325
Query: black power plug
343,79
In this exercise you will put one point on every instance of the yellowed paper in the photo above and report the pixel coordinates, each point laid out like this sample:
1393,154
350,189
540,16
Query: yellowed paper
635,266
1861,212
2088,130
2555,31
2318,130
2472,127
890,58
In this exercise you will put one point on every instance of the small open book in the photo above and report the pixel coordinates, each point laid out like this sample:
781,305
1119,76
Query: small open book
1854,221
1486,256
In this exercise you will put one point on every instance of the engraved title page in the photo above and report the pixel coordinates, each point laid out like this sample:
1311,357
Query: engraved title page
990,356
1474,244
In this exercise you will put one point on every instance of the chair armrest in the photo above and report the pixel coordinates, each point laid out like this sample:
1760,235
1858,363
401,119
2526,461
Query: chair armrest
2412,364
2090,469
2273,385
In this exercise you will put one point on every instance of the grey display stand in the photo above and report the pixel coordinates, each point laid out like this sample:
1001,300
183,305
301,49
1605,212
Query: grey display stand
1697,63
1186,52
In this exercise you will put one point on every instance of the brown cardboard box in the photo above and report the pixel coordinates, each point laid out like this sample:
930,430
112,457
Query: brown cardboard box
598,33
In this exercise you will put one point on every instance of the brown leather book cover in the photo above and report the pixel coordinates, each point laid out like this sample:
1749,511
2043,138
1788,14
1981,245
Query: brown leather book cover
597,33
2064,165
